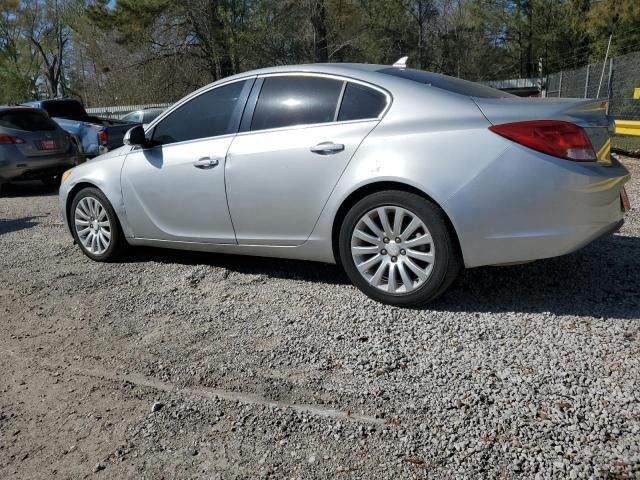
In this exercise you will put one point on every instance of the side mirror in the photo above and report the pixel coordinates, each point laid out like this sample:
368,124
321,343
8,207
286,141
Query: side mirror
135,137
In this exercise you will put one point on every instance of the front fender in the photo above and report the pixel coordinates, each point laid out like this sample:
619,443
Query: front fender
103,173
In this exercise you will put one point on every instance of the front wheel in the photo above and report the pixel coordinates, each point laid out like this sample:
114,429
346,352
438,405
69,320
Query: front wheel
95,226
398,249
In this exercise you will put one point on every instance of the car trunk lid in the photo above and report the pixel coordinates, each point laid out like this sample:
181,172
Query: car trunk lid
590,114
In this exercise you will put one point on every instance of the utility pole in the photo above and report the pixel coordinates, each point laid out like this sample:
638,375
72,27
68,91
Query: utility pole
604,64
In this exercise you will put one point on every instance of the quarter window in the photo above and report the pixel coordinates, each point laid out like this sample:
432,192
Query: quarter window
360,102
215,112
296,100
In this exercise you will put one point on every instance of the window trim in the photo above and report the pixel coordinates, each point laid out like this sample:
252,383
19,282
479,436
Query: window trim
152,125
247,116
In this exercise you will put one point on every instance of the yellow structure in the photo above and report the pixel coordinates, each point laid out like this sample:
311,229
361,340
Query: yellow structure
628,127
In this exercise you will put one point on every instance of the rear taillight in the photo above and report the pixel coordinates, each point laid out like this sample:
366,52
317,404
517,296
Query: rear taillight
102,137
9,139
553,137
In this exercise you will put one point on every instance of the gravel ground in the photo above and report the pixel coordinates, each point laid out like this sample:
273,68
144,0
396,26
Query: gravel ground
185,365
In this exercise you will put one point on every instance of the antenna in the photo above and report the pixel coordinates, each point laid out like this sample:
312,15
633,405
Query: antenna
401,63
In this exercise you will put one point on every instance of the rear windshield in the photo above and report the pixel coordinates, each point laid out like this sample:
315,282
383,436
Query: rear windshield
451,84
29,120
64,109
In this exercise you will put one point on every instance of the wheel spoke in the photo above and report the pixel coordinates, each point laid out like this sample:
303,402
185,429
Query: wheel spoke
103,241
372,226
364,250
83,208
406,280
421,240
80,213
106,234
424,256
413,225
420,273
397,221
375,280
366,237
367,264
391,284
384,221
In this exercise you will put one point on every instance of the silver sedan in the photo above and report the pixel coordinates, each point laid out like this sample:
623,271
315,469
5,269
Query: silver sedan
402,176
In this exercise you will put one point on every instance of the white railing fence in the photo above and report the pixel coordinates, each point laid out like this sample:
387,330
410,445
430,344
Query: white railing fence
121,110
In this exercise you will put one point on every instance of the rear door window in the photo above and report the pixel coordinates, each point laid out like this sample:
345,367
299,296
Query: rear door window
360,102
287,101
28,120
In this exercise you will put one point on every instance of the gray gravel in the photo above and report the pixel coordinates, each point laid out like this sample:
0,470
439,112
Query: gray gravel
186,365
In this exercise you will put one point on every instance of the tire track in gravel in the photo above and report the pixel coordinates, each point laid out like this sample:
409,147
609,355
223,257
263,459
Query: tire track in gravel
210,393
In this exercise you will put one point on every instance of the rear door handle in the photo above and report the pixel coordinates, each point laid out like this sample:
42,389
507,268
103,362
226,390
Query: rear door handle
327,148
206,163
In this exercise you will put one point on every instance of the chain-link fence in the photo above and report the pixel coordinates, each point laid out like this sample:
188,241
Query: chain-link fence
615,80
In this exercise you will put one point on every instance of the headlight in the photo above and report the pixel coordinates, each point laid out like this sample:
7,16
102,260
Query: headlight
66,174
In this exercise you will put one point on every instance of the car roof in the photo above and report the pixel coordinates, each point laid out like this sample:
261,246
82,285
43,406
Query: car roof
345,69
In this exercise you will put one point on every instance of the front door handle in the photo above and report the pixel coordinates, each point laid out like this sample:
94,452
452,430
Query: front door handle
206,163
327,148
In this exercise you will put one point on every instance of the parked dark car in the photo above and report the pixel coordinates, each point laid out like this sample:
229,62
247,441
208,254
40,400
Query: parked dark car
93,135
32,146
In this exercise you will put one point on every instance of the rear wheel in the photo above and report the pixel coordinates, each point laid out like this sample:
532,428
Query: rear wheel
397,248
95,226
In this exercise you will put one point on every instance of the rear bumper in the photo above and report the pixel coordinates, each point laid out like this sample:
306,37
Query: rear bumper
34,168
527,206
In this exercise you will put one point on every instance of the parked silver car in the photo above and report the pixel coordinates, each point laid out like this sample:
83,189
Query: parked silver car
400,175
143,115
32,146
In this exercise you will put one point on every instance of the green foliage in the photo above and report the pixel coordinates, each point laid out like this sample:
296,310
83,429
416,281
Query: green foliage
157,50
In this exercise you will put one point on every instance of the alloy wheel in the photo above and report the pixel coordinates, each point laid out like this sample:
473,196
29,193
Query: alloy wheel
92,225
392,249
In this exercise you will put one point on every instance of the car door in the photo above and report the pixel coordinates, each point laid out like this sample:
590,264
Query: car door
175,189
298,137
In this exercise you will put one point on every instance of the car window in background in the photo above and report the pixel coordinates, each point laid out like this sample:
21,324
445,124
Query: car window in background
360,102
28,120
296,100
443,82
133,117
150,115
210,114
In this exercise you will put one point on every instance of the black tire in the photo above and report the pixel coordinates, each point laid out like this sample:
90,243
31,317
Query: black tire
117,244
446,265
53,181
